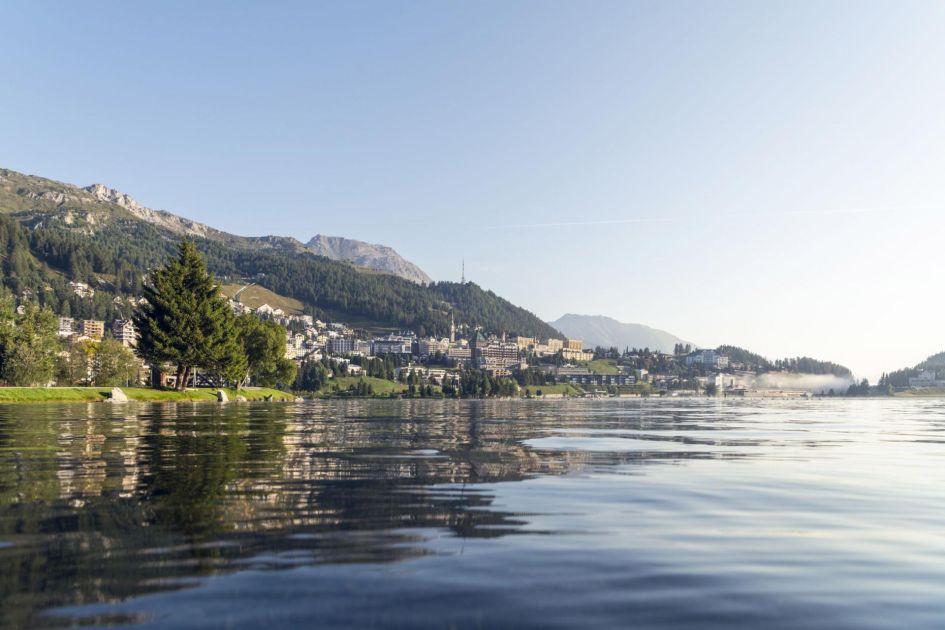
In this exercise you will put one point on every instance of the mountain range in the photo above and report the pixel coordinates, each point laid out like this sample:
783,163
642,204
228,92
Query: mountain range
598,330
53,232
367,255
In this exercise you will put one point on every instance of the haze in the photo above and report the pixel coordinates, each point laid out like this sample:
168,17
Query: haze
762,174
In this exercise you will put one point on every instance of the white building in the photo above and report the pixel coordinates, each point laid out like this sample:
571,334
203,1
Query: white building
66,327
926,378
709,358
123,330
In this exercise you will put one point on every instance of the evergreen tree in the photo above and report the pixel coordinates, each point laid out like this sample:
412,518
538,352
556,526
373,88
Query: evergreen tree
185,321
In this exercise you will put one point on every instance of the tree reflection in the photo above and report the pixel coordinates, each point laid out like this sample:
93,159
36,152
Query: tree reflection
104,502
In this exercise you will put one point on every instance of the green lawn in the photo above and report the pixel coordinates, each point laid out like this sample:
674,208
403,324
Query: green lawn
98,394
929,392
382,387
555,390
603,366
254,296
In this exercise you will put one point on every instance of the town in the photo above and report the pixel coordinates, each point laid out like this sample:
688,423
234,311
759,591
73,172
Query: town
337,359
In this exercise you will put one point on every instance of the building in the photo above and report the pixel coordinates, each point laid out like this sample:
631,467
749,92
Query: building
123,330
574,344
66,327
341,345
392,344
426,374
570,354
431,345
708,358
93,328
554,345
82,289
494,354
926,378
524,343
583,376
459,353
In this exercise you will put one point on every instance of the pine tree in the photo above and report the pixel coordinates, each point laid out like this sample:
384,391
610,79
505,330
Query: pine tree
185,320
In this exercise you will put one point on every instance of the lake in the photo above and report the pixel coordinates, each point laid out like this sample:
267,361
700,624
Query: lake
475,514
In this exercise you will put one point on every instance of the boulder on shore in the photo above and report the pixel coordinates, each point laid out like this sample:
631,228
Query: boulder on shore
240,398
222,397
117,396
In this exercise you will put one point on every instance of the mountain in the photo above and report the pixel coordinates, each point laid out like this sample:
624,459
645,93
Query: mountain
53,233
379,257
597,330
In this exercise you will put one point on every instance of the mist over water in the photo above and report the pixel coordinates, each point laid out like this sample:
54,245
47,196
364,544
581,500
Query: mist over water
654,513
813,383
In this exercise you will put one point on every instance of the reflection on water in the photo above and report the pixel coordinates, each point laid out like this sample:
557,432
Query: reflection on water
666,513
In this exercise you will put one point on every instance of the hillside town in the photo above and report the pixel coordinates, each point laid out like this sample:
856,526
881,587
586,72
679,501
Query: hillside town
533,363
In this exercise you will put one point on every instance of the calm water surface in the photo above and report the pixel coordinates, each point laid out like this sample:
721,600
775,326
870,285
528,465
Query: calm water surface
825,513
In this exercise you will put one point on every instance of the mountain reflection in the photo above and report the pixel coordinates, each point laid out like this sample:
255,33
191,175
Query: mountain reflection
101,503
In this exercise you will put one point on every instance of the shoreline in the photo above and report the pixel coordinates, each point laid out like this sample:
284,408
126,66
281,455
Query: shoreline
24,395
20,395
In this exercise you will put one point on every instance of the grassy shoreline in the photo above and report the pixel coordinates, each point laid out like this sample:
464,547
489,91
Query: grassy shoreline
138,394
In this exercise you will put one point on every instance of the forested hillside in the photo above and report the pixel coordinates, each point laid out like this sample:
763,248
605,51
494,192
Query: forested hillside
900,378
801,365
53,233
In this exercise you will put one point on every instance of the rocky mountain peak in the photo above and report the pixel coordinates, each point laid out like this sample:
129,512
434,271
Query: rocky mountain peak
109,195
103,193
379,257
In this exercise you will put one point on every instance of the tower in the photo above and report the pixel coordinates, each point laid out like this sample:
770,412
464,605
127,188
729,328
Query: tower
452,328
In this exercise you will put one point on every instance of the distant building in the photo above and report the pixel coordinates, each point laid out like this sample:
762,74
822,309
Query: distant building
494,354
66,327
583,376
392,344
82,289
459,352
709,358
341,345
570,354
926,378
123,330
93,328
431,345
574,344
524,343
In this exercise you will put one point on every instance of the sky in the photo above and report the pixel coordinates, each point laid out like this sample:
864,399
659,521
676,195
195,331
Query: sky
764,174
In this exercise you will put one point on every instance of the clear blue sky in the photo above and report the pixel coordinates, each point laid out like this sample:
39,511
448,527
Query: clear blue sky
759,173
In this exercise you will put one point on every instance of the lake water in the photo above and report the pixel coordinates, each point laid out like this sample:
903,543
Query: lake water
664,513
